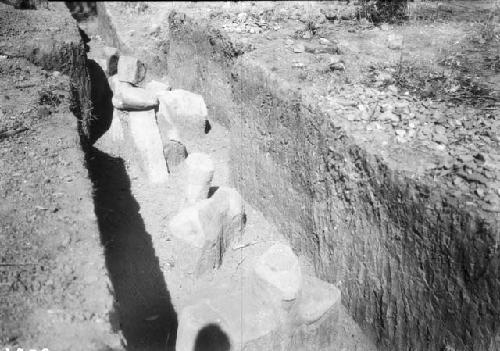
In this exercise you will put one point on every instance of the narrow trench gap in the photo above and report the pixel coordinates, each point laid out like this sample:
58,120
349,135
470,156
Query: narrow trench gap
146,315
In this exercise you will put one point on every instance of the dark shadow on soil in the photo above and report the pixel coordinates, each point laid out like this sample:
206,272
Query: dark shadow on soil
147,318
212,338
100,96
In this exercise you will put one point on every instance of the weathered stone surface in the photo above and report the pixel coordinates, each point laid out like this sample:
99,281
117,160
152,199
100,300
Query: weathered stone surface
192,319
147,139
116,129
131,70
316,299
157,88
277,276
186,226
128,97
111,57
209,226
175,153
250,329
199,173
222,217
255,326
186,110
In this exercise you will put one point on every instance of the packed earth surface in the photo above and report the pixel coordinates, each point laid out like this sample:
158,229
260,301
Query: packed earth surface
249,175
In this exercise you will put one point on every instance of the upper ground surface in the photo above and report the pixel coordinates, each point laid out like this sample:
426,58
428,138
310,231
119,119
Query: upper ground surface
437,73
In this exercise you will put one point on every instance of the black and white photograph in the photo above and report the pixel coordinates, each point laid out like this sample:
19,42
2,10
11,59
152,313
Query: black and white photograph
250,175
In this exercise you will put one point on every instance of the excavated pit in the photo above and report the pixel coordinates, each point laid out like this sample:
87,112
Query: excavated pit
416,262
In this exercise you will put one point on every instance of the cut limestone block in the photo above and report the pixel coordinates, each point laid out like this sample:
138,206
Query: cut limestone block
111,57
148,142
175,153
199,174
209,226
234,325
131,70
116,128
186,110
255,326
186,226
222,219
157,88
192,320
229,202
317,314
127,97
277,277
167,130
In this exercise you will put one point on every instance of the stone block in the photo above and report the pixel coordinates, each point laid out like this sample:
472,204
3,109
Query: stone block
192,322
277,278
175,153
148,142
131,70
157,88
116,128
111,57
128,97
236,324
209,226
186,110
199,174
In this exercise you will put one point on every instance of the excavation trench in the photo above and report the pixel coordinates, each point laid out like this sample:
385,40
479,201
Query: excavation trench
156,277
146,315
408,257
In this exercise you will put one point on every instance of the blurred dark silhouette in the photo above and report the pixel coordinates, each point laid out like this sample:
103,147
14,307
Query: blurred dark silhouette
212,338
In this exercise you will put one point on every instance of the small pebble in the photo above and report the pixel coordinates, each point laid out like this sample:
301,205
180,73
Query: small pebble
299,48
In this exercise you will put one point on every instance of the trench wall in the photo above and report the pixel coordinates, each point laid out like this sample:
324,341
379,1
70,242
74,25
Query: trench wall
417,271
49,38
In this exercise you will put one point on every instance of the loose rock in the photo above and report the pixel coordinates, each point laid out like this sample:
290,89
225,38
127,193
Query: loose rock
298,48
324,41
395,41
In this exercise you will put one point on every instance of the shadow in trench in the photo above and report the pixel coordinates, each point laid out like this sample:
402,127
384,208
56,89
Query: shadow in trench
100,96
147,317
212,338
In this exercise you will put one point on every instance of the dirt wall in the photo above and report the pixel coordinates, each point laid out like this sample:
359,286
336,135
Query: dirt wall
55,290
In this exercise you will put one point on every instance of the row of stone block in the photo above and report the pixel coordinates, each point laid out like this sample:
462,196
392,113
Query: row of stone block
276,308
159,118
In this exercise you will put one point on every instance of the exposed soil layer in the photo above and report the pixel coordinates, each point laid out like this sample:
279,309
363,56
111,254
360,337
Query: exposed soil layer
407,223
55,292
